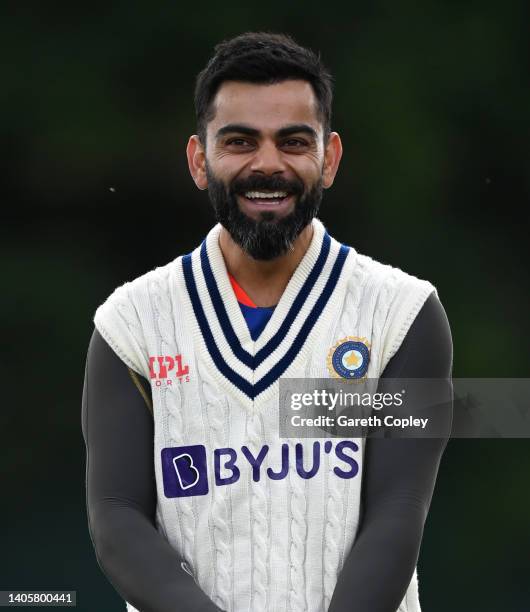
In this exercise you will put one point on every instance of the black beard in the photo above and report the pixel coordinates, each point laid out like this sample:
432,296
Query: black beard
268,237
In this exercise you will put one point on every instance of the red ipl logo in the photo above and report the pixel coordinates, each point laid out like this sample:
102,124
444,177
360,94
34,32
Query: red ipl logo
166,364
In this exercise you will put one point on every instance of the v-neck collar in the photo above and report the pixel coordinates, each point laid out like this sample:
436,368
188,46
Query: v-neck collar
253,366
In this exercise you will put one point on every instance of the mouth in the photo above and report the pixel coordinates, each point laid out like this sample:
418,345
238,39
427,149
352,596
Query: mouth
266,200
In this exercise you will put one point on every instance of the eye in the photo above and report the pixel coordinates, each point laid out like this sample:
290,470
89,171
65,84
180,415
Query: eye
295,143
239,142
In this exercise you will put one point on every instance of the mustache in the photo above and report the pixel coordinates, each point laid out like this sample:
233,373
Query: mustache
268,183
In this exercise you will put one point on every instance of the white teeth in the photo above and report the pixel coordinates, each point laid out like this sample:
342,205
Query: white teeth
271,195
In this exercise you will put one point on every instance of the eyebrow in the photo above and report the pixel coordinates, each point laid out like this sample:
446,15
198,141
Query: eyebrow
241,128
297,128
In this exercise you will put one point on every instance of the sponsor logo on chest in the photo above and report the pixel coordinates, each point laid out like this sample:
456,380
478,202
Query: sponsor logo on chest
185,468
164,370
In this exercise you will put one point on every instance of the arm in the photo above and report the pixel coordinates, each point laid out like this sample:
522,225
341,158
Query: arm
399,479
121,491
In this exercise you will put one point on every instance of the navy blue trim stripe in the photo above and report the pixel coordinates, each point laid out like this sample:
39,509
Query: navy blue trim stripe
252,391
220,311
253,361
308,325
222,366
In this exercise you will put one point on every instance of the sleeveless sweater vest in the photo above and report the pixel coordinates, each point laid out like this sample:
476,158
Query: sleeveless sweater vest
261,523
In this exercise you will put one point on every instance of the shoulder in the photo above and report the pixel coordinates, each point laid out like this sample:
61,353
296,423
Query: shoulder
427,348
383,275
120,319
388,286
129,295
393,297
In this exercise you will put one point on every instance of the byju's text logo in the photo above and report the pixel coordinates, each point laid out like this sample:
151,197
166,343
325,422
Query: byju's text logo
166,369
184,471
184,468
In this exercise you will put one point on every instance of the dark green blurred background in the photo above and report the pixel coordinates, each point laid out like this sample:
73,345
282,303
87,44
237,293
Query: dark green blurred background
432,104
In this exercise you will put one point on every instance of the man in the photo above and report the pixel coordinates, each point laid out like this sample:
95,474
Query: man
232,517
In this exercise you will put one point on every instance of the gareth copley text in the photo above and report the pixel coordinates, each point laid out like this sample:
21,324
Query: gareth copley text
372,421
333,400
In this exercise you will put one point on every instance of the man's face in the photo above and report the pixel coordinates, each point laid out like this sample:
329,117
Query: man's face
264,162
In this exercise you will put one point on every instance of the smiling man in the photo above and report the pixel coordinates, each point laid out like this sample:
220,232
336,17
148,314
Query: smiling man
194,501
265,177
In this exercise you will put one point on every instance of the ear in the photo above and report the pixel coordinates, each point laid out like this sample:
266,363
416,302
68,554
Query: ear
197,161
332,156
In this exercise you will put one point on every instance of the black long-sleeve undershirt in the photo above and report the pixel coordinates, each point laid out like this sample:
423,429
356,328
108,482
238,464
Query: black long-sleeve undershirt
121,491
398,481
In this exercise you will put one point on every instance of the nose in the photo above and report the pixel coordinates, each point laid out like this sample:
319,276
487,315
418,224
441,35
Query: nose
267,159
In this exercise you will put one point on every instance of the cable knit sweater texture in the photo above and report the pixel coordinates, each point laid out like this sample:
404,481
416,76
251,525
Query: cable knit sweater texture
268,544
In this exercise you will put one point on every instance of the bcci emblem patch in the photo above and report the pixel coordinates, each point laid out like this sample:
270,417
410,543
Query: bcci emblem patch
349,358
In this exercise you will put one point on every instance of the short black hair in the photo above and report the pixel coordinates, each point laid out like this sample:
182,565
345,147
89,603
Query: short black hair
262,57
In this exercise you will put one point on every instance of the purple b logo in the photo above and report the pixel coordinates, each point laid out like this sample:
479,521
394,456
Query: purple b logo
184,471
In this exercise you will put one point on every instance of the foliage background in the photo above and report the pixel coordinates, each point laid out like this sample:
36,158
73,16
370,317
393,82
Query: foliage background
431,101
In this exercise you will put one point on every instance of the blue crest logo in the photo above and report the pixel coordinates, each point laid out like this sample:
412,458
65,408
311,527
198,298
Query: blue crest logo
349,358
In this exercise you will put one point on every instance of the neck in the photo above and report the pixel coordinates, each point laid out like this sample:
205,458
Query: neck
263,281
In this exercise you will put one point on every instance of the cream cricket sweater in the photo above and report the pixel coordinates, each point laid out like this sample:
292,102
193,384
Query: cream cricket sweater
262,523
